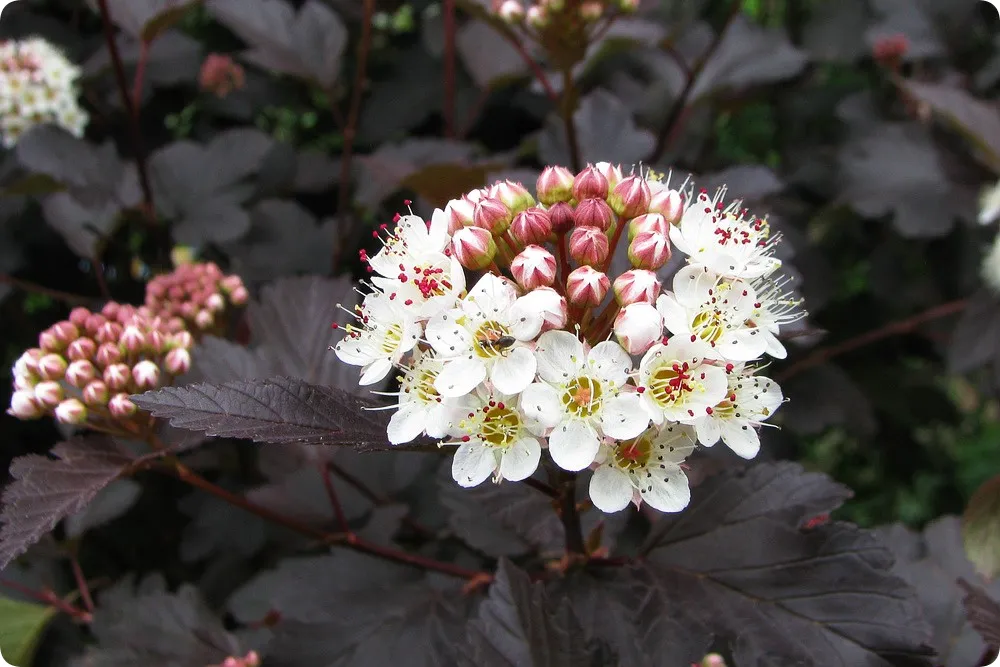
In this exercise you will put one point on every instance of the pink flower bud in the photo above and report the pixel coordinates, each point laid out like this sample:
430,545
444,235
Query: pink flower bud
96,394
132,339
27,363
181,339
71,411
239,296
636,286
94,323
550,304
649,250
78,316
651,222
561,215
81,348
713,660
513,195
49,394
510,11
252,659
459,212
215,302
532,226
628,6
146,375
24,406
474,247
492,215
667,203
65,333
25,382
588,245
594,213
52,367
121,407
612,172
187,309
204,319
638,326
630,197
590,184
80,372
586,287
48,341
534,267
554,185
108,354
110,310
117,377
537,17
177,361
109,332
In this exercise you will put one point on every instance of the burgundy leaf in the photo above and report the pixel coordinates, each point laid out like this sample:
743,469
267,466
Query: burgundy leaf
983,612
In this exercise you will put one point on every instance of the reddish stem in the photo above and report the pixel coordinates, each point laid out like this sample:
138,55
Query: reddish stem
338,509
449,68
358,544
140,74
375,498
536,69
65,297
81,583
51,599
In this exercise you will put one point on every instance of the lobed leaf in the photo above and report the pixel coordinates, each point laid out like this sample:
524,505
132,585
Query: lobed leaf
983,612
22,625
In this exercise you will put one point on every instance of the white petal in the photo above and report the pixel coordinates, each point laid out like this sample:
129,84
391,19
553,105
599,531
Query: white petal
375,372
774,346
438,417
623,417
473,463
511,374
351,352
610,362
573,445
560,356
744,344
460,376
610,489
741,438
490,296
675,317
520,460
524,320
406,424
447,336
708,431
693,285
540,402
674,443
665,489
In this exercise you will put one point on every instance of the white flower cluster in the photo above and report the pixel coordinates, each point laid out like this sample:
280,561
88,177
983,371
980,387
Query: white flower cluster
37,86
513,367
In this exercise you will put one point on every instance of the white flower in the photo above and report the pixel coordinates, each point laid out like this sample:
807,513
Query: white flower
716,310
773,309
989,204
384,333
751,400
581,398
550,304
420,409
484,337
410,242
638,326
677,383
725,241
494,439
645,468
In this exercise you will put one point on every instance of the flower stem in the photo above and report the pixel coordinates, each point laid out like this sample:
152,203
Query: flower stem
51,599
377,499
568,104
331,492
65,297
81,583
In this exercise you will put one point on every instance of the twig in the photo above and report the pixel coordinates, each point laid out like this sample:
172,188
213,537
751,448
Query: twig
338,509
81,583
140,74
51,599
65,297
408,558
886,331
568,107
449,69
536,69
377,498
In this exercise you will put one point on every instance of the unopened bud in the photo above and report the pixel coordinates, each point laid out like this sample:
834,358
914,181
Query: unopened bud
27,363
561,215
554,185
513,195
590,184
591,10
492,215
71,411
534,267
594,213
204,319
121,407
132,339
117,377
651,222
550,304
96,394
78,316
628,6
81,348
177,361
636,286
638,326
52,367
532,226
109,332
146,375
510,11
80,372
25,382
630,197
588,245
108,354
649,250
215,302
713,660
667,203
181,339
155,340
94,323
474,248
65,333
49,394
239,296
537,17
24,406
586,286
48,341
459,212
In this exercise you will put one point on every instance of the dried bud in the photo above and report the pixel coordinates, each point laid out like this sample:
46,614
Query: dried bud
71,411
81,348
594,213
534,267
52,367
586,287
65,333
204,319
492,215
532,226
630,197
474,248
649,250
588,245
562,218
146,375
651,222
550,304
108,354
554,185
121,407
638,326
49,394
636,286
78,316
80,372
117,377
24,406
667,203
590,184
513,195
96,394
177,361
132,339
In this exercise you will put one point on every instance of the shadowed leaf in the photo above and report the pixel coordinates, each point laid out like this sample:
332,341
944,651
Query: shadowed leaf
440,183
983,612
605,131
22,625
981,528
489,58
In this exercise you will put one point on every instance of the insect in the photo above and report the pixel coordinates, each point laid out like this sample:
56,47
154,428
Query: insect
498,344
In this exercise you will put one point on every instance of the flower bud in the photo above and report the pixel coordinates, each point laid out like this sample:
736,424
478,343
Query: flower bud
239,296
638,326
459,212
204,319
630,197
492,215
49,394
532,226
534,267
586,287
27,363
649,250
177,361
562,218
71,411
215,302
96,394
713,660
667,203
636,286
132,339
94,323
594,213
590,184
550,304
109,332
181,339
110,310
474,248
513,195
117,377
65,333
80,372
510,11
108,354
588,245
52,367
121,407
146,375
628,6
612,172
78,316
48,341
25,382
591,10
81,348
537,17
554,185
24,406
651,222
155,341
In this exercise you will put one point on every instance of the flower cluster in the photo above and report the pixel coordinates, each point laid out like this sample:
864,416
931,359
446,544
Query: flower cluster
37,86
543,13
251,659
193,295
220,76
546,351
85,368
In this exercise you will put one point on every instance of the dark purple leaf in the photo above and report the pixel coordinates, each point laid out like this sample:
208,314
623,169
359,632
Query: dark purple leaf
315,171
283,239
220,360
213,221
974,342
911,20
835,31
749,182
111,502
173,59
218,527
983,612
146,19
489,58
403,97
826,396
390,165
45,491
303,496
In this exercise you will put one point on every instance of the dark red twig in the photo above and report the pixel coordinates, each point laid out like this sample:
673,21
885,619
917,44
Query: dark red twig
51,599
65,297
140,75
338,509
81,584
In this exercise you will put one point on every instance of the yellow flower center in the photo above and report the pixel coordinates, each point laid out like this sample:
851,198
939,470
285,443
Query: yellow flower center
495,424
633,454
708,325
392,338
582,396
492,339
671,382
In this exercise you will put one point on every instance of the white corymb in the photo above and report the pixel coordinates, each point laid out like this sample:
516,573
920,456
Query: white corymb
646,468
677,382
774,308
384,332
581,397
484,337
421,409
750,401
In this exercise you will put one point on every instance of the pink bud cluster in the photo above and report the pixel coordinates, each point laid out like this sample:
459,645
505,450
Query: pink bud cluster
540,14
251,659
220,75
85,368
193,296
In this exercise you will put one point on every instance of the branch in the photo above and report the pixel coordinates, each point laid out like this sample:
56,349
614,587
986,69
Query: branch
338,509
81,583
449,68
65,297
376,498
892,329
575,545
51,599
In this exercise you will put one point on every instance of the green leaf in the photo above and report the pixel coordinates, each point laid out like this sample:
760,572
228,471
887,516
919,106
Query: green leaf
21,626
981,528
